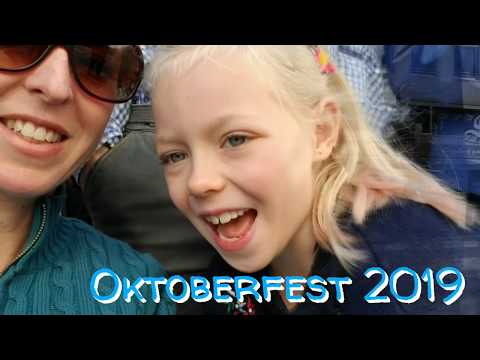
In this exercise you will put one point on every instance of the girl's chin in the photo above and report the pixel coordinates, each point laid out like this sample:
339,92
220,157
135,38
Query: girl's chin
248,265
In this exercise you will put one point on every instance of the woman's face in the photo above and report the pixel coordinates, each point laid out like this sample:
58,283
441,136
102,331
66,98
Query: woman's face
48,126
236,164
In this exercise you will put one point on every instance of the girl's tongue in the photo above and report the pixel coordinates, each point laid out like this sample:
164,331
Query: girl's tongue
238,227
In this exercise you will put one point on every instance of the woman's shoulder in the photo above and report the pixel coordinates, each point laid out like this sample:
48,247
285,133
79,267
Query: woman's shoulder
80,242
83,242
75,257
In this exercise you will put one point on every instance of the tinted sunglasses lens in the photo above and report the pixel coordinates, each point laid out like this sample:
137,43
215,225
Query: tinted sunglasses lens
110,73
18,57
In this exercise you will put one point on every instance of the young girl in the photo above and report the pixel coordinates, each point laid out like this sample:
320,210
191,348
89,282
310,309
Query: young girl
268,154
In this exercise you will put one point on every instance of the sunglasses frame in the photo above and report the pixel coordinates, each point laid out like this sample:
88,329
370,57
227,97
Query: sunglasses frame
69,49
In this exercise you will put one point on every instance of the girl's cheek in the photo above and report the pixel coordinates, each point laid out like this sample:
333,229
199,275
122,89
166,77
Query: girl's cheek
178,192
260,174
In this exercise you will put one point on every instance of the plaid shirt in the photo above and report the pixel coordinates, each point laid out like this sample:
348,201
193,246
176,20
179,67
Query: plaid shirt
121,112
363,69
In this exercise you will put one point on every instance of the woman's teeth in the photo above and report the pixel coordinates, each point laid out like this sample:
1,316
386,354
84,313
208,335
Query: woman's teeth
30,131
225,218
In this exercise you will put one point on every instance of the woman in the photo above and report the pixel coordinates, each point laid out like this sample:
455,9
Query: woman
54,104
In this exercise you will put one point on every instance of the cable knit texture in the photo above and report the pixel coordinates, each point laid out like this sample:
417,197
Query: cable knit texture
53,277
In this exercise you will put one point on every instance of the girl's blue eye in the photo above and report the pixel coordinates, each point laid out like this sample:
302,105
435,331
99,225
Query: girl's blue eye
236,140
173,158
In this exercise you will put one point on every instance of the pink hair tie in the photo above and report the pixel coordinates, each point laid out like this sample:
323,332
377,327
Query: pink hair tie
324,60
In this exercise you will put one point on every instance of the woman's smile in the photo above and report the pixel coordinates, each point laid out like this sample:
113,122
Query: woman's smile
31,138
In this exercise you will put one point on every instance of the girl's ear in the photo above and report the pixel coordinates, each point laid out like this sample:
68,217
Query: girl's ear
327,128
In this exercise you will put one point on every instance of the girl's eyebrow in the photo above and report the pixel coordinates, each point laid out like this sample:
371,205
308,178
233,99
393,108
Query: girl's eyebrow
216,124
224,120
162,139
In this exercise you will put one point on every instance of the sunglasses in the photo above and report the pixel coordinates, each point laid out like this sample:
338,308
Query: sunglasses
110,73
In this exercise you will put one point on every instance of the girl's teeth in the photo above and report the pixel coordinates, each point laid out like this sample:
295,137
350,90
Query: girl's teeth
225,218
228,239
11,124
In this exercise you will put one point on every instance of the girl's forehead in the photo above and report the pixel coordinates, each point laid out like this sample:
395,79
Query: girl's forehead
227,66
212,85
220,87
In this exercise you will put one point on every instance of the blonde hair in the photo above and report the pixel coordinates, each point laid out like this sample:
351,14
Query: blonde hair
363,173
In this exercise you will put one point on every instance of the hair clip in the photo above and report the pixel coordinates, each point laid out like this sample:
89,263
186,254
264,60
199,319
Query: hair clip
324,60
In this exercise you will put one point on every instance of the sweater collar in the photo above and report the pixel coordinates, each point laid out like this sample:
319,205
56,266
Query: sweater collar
45,215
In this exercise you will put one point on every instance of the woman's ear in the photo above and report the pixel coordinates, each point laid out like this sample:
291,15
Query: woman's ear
327,128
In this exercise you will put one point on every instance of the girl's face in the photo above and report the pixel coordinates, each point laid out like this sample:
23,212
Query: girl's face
48,126
236,164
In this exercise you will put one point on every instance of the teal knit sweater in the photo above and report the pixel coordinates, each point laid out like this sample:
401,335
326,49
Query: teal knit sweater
54,271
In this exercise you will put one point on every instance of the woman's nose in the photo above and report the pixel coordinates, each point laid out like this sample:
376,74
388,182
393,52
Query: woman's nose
52,78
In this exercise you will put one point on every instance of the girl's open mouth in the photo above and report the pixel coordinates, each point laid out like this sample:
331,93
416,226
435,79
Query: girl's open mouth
232,229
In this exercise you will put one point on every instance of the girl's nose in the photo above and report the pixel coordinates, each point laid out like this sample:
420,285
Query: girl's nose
205,180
